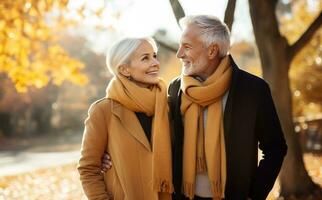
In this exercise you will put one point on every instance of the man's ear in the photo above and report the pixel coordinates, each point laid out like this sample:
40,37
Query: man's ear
213,51
124,70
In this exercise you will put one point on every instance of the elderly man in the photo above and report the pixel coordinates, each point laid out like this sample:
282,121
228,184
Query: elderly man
220,116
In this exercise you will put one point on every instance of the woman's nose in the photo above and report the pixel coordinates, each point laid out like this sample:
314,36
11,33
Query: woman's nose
156,62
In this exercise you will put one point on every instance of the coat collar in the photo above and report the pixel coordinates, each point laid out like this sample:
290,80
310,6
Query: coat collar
229,105
131,123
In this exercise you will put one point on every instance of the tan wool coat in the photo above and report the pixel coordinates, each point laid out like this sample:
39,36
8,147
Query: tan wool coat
109,127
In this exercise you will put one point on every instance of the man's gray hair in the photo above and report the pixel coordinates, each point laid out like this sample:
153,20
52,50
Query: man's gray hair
213,30
121,52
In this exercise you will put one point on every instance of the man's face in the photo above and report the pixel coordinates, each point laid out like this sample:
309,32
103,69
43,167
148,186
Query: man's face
193,53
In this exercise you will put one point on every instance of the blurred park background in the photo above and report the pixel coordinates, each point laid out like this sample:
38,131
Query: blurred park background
52,67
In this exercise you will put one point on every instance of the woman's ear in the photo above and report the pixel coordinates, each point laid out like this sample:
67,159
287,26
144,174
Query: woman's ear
213,51
124,70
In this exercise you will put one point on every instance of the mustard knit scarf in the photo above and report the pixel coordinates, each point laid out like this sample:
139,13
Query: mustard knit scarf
153,102
205,154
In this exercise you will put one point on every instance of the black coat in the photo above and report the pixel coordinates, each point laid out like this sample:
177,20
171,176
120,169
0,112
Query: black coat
250,121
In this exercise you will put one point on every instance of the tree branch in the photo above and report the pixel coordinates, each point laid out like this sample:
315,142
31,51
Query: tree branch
177,9
306,37
229,13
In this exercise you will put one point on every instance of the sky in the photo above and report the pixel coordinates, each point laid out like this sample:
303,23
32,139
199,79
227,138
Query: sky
144,17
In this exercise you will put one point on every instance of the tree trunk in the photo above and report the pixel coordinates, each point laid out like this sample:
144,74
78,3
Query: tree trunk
42,112
229,13
275,61
5,125
177,10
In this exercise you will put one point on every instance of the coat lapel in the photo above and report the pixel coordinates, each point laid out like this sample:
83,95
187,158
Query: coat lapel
229,105
131,124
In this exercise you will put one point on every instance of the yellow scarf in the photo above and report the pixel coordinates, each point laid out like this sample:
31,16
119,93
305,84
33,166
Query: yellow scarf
207,153
153,102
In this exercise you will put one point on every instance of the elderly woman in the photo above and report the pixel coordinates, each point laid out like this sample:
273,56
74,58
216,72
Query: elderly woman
131,124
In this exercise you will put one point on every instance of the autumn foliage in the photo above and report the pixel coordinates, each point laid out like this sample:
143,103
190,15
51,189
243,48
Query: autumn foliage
306,67
29,52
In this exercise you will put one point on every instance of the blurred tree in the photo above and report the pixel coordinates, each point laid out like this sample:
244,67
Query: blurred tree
29,53
71,106
306,67
229,13
27,113
246,55
276,55
30,58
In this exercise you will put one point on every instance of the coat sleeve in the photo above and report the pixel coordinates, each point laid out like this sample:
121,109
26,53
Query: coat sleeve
271,142
93,146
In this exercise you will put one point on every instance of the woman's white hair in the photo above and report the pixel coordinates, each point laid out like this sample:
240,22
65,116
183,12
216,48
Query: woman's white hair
120,53
213,30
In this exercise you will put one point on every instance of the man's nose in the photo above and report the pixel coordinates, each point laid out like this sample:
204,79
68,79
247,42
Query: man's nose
179,53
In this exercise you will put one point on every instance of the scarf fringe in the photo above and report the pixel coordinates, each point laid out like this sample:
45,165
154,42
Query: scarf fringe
163,186
201,164
189,190
217,190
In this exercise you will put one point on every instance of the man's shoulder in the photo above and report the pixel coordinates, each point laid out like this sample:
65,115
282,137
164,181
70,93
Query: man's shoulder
175,80
174,86
251,79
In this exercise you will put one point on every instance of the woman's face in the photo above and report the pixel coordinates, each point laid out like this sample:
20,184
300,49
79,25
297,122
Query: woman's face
144,66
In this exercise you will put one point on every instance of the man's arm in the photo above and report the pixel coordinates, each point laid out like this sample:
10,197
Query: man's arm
174,98
106,162
271,142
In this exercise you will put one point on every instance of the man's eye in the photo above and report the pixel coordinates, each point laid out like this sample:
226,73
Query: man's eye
144,58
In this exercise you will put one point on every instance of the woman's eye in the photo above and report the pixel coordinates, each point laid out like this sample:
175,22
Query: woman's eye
144,58
155,56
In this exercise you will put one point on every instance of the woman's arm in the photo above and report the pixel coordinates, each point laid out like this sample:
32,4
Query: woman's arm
93,146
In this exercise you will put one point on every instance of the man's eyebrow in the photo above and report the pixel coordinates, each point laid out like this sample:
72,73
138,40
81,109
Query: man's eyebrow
186,44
